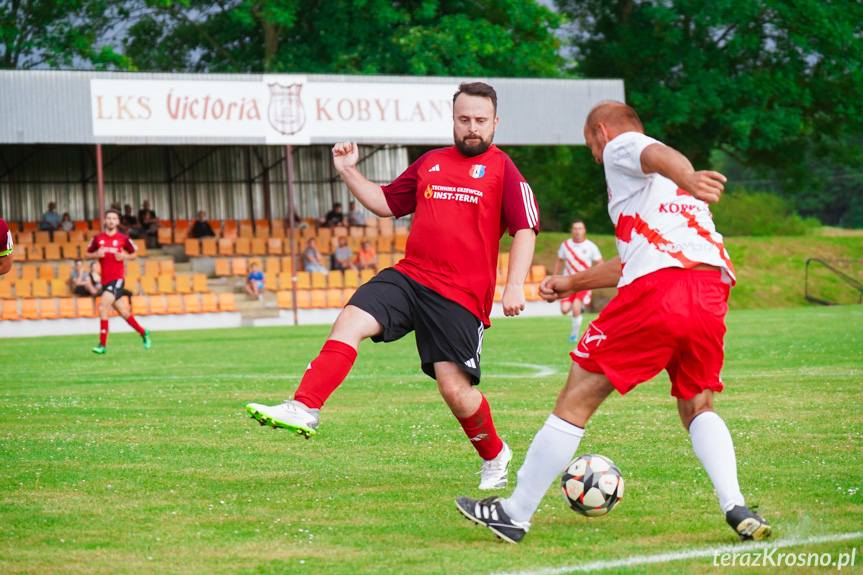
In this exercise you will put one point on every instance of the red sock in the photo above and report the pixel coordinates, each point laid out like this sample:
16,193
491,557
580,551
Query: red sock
480,430
325,373
134,323
103,332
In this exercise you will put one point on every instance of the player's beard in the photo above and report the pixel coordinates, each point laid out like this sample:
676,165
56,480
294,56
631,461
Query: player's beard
473,149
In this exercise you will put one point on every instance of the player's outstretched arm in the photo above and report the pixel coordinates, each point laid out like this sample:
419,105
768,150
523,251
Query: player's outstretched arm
345,158
520,258
705,185
606,274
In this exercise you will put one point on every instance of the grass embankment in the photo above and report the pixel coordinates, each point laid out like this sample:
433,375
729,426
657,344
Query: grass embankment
770,270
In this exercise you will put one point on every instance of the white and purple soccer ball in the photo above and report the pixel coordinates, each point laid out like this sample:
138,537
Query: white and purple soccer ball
592,485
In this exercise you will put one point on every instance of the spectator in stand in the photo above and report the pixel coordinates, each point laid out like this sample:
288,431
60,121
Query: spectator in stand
80,281
298,221
255,281
6,245
129,223
50,220
334,217
313,261
367,257
149,224
343,256
66,223
96,275
202,228
356,217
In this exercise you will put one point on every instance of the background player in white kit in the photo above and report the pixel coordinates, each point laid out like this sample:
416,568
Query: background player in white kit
576,254
674,279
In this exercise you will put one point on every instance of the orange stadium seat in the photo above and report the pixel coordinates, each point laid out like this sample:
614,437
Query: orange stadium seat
193,247
271,282
208,247
319,280
133,269
166,267
24,287
86,307
29,271
347,293
40,288
209,303
9,309
384,244
222,267
183,283
229,230
60,237
29,309
191,303
19,252
530,292
24,238
243,246
199,283
277,229
275,246
34,253
95,225
498,293
351,278
318,298
82,225
245,229
174,303
140,305
59,288
357,231
52,251
30,226
66,307
217,227
537,273
77,236
149,285
336,279
259,247
366,275
5,288
384,261
41,237
303,299
182,224
47,308
401,243
287,266
64,270
285,280
151,268
334,297
69,251
180,235
284,300
157,304
272,265
304,280
239,266
165,283
46,271
226,302
226,246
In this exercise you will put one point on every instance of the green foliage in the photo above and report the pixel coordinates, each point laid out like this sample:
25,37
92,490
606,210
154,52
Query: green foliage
568,185
416,37
59,34
767,81
747,213
145,462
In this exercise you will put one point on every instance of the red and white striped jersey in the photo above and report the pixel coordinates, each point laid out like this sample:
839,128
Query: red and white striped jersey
657,224
578,256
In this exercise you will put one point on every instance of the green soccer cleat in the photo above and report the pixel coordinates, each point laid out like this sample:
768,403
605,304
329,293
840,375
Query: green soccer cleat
146,338
100,349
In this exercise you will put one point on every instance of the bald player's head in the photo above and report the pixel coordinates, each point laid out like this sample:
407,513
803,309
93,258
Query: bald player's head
606,121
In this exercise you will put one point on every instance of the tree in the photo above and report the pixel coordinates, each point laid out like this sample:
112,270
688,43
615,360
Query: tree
416,37
59,33
769,82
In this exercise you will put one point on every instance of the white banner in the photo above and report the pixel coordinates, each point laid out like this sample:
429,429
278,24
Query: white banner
281,109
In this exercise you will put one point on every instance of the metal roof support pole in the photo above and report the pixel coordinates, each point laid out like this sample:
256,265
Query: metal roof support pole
100,184
289,177
169,182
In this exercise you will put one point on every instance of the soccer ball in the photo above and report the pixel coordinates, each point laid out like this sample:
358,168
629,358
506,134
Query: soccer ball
592,485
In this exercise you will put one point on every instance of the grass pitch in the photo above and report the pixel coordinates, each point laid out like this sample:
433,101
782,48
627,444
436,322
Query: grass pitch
145,462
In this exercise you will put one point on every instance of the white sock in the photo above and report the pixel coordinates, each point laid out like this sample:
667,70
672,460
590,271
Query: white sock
551,449
576,324
712,443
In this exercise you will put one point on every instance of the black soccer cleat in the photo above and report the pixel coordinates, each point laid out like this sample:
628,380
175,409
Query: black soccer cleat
489,513
747,524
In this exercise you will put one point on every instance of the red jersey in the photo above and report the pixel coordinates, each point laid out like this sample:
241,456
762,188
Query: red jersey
112,268
6,243
462,208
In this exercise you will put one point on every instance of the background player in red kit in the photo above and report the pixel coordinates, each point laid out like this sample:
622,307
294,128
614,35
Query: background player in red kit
6,245
112,248
673,277
576,254
463,199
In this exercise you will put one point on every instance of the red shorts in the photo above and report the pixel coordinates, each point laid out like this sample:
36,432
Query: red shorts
582,295
671,319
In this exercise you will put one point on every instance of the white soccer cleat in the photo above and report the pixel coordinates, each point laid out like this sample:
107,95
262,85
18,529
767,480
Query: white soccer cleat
494,471
291,415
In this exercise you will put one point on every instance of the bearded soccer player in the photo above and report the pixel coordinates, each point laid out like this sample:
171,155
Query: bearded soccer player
463,199
112,248
673,276
576,255
6,245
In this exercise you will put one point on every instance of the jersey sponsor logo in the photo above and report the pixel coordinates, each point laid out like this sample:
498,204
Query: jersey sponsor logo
471,363
460,194
591,339
673,208
477,171
435,168
428,192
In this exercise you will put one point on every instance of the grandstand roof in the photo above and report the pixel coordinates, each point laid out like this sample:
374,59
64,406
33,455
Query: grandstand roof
61,107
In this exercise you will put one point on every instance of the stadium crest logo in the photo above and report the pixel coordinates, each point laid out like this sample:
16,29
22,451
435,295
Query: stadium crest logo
477,171
286,113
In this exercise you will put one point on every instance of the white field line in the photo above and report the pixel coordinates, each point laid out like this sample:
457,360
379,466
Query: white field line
693,554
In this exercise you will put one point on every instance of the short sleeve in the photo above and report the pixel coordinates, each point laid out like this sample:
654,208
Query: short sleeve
519,208
401,194
130,246
561,251
93,246
623,153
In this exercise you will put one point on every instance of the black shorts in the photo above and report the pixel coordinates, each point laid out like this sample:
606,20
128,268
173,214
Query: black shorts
82,291
445,330
117,289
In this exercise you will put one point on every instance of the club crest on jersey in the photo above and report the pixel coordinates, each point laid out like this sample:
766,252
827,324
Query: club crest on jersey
428,192
115,243
477,171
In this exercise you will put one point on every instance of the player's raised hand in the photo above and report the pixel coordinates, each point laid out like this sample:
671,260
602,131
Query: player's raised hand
345,155
513,301
553,288
706,185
